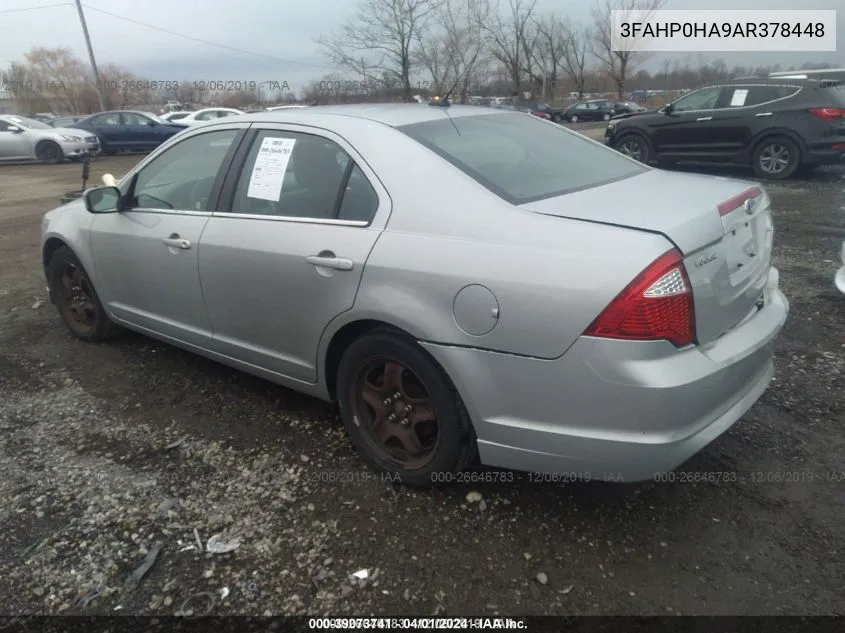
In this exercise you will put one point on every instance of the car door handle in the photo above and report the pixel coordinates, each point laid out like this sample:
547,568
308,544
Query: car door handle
704,118
174,241
330,261
763,114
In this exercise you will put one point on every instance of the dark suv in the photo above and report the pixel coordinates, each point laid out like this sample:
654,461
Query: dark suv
779,126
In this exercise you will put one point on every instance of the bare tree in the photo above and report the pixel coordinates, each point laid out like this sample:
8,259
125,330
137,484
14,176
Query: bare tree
54,77
377,44
509,31
454,45
551,50
618,64
576,53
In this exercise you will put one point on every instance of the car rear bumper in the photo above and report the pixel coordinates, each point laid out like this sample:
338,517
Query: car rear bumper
827,152
614,410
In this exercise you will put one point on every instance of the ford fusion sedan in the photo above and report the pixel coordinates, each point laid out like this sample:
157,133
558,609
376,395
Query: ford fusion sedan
549,306
22,138
128,130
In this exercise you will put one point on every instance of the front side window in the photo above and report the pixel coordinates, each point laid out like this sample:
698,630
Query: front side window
704,99
182,176
521,159
133,118
113,118
295,175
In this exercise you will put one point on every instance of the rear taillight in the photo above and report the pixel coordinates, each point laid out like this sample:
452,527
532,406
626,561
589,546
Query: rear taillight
656,305
828,114
733,203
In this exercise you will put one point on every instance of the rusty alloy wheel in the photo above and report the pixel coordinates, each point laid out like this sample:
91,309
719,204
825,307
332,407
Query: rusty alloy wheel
76,300
395,412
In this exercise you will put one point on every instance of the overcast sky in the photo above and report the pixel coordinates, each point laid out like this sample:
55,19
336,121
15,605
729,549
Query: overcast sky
284,31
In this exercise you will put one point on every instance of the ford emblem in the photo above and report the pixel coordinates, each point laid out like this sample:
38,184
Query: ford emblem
749,206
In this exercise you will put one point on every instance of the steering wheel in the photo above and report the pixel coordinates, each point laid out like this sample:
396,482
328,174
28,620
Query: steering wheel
200,193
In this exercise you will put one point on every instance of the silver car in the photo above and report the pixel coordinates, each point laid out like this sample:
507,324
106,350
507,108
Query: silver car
22,138
521,294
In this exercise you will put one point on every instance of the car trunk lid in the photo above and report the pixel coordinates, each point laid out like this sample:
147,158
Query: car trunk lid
723,228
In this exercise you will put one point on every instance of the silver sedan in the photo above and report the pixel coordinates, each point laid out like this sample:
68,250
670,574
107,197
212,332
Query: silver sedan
468,284
22,138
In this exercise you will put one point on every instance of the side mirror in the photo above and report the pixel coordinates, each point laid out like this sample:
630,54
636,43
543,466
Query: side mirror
102,200
15,129
668,108
152,123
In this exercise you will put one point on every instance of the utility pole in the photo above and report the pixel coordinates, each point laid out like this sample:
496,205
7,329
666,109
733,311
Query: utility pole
91,55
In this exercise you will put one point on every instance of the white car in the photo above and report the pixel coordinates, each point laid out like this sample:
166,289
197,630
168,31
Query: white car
839,279
22,138
200,116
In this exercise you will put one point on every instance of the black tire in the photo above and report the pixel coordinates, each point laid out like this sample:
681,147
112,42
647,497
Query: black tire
776,158
573,118
49,153
76,299
556,118
365,368
635,146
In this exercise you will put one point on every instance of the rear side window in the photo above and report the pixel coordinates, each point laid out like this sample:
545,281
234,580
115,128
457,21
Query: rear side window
756,95
521,158
297,175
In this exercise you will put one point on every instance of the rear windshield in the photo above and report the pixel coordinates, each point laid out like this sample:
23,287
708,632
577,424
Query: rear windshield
521,158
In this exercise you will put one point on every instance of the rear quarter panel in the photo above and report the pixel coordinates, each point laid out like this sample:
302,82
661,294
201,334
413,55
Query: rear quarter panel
551,276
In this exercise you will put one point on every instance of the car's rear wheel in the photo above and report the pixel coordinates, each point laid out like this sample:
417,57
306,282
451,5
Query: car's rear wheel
556,118
402,412
573,118
776,158
49,152
76,299
634,146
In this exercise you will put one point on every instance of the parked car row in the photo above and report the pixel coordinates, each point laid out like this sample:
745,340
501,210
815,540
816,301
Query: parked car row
780,126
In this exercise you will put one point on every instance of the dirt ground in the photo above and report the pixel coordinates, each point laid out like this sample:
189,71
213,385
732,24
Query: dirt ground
109,453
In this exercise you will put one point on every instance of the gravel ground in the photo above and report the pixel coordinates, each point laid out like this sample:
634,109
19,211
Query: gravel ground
111,455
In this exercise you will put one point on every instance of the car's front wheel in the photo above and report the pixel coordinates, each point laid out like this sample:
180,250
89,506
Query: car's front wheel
635,146
606,117
776,158
49,152
77,301
402,412
556,118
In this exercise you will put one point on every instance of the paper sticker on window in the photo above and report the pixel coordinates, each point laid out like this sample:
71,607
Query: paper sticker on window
738,98
268,173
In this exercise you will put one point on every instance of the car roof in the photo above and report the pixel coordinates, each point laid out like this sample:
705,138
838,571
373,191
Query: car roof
392,114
